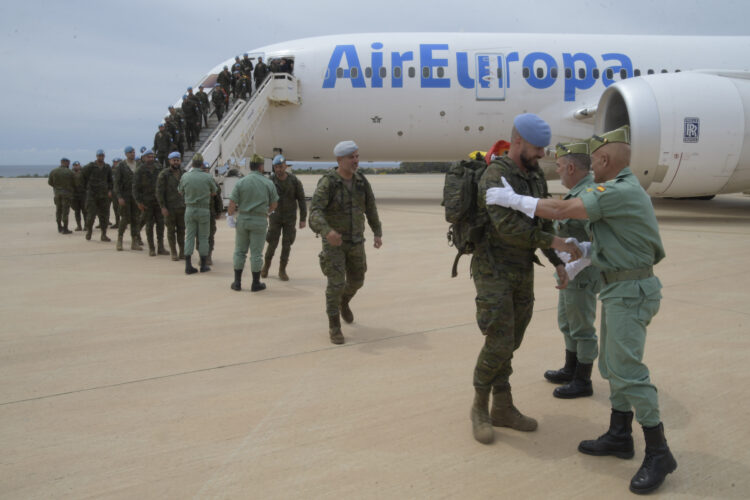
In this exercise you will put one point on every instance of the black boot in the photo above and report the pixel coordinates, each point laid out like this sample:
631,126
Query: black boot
564,374
189,269
204,266
580,386
59,227
657,463
65,229
257,286
346,312
237,283
618,441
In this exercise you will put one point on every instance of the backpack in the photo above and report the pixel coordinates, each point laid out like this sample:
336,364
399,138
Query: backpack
460,201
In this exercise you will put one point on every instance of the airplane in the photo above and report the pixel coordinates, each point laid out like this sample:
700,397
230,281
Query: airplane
439,96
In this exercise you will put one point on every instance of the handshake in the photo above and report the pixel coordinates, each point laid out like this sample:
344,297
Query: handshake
575,267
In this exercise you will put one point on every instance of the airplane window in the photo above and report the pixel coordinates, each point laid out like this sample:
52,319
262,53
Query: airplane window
440,72
610,73
568,73
396,72
581,73
353,72
382,72
677,71
526,72
425,72
368,72
637,72
664,71
553,72
412,72
623,73
339,72
595,73
651,72
540,73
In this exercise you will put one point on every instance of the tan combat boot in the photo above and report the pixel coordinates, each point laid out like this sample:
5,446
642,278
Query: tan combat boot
480,418
264,270
334,330
504,414
282,271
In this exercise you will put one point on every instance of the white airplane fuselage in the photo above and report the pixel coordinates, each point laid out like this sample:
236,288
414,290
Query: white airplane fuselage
439,96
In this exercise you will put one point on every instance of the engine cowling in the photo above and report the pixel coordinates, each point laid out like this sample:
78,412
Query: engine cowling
688,131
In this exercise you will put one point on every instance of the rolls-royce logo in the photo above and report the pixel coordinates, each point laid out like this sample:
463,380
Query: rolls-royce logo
692,130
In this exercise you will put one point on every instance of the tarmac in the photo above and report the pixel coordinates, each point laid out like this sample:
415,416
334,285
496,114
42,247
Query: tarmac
122,377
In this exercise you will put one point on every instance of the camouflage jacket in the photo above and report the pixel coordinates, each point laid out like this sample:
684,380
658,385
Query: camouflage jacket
144,184
336,207
162,143
291,194
166,190
62,180
98,180
79,190
203,99
217,202
511,236
122,177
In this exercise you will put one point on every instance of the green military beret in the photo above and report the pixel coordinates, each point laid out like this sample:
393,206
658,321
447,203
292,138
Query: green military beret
621,134
572,148
257,159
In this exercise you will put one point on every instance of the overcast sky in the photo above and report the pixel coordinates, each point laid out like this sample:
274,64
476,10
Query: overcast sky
79,75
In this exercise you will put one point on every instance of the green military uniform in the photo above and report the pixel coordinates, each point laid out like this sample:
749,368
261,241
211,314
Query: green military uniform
502,268
576,305
197,187
205,105
343,208
217,207
62,181
284,218
253,195
162,145
144,193
98,181
625,246
78,203
169,197
122,188
115,205
219,100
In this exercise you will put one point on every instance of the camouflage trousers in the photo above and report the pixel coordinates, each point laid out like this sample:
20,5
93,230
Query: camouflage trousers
129,216
275,229
175,223
504,303
97,207
78,205
152,216
62,208
576,313
345,268
116,210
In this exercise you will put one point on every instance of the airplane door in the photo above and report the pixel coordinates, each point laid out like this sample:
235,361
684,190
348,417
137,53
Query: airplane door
490,78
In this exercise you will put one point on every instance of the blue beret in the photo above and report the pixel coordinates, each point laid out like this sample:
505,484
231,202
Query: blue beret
245,54
99,152
76,162
146,152
278,159
129,149
116,159
161,125
533,129
190,88
170,107
63,159
345,148
143,148
184,96
173,154
206,165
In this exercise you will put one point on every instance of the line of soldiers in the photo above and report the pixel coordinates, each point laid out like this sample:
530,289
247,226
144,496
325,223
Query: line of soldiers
181,127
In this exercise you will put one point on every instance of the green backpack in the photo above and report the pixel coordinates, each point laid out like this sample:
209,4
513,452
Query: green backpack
467,226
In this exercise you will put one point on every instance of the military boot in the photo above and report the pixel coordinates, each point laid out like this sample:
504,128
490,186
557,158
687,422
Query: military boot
237,283
264,269
580,386
209,260
617,441
189,269
204,265
89,230
282,271
657,463
481,424
119,243
104,235
65,229
257,286
504,414
564,374
334,330
173,251
161,250
181,246
59,227
346,312
134,245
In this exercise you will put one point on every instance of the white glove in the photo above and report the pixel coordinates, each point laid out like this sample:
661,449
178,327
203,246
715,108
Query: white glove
564,256
230,221
506,197
573,268
583,246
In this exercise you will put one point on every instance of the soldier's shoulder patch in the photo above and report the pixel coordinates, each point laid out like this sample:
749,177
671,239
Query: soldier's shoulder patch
588,190
601,189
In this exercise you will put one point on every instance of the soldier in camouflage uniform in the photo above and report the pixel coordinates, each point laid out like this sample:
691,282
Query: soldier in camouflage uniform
219,100
144,194
260,73
342,201
284,218
205,105
122,176
172,205
62,181
78,203
115,206
191,115
502,267
162,145
97,177
225,80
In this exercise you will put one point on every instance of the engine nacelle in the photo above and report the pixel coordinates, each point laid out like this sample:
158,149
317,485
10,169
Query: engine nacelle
688,131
